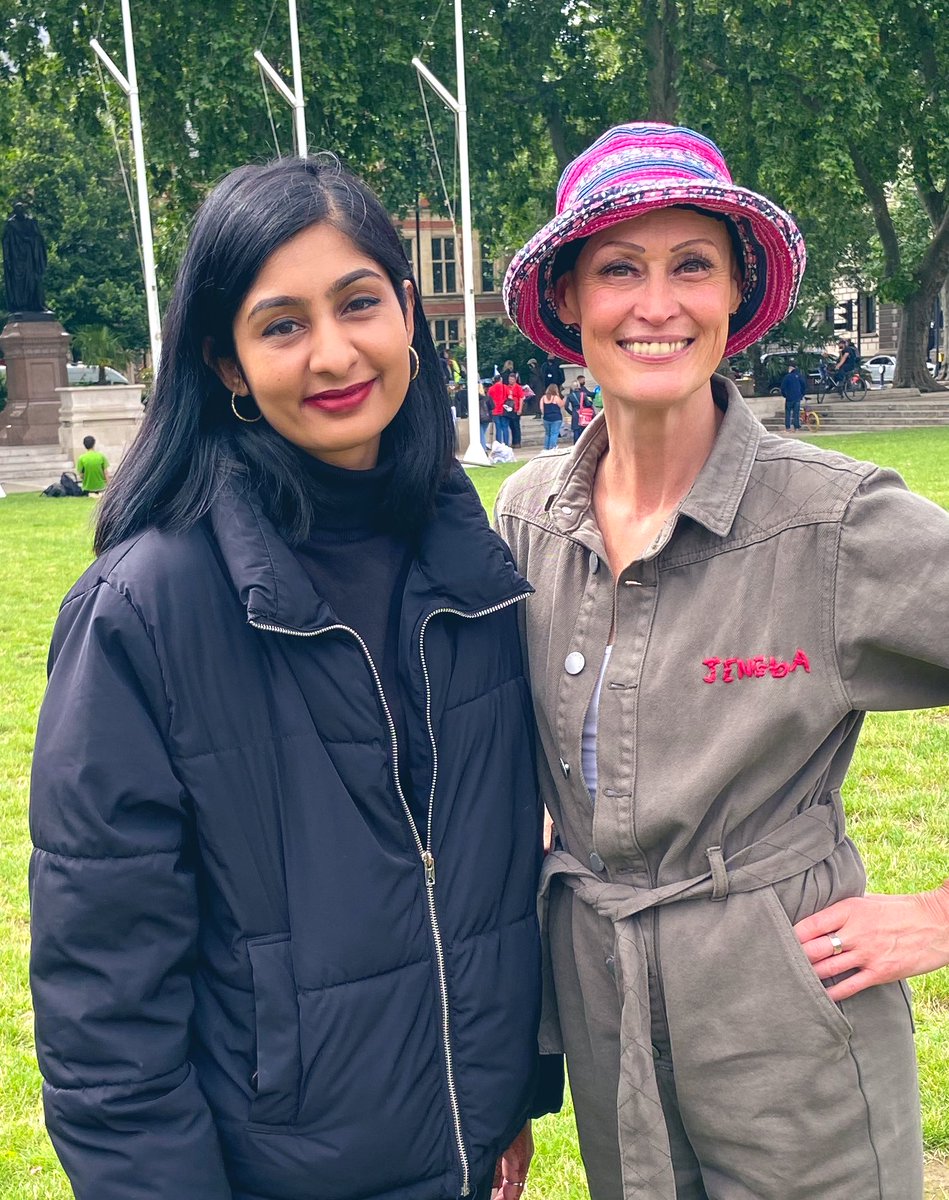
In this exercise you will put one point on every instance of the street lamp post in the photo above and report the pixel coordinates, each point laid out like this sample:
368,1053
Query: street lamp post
474,455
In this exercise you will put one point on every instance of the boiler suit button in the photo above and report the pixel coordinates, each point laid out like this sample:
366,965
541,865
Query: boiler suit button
594,562
574,663
611,966
597,863
565,767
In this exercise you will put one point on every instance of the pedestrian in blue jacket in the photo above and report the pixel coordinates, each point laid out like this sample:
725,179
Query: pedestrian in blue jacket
793,389
283,889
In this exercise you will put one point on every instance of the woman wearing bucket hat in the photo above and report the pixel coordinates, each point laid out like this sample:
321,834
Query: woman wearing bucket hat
716,608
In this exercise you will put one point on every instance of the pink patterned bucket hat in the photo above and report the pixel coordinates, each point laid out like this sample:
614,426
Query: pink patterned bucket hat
631,170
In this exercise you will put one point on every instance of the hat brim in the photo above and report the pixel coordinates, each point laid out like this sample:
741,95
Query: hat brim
774,253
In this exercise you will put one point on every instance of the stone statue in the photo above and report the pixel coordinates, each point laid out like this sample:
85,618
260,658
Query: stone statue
24,263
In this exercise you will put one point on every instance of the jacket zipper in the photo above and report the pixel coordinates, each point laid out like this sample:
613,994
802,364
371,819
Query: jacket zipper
424,850
430,880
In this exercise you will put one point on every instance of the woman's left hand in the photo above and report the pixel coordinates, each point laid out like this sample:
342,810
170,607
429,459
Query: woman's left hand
510,1177
880,938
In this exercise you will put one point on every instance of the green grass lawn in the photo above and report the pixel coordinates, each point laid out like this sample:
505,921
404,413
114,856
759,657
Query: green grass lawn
897,796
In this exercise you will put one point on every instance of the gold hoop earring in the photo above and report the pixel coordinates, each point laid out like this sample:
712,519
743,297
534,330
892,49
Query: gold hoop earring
246,420
416,363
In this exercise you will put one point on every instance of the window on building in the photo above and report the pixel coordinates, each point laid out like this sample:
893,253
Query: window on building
443,265
445,331
488,282
408,249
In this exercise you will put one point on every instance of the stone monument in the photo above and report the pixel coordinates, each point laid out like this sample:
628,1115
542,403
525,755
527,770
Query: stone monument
33,343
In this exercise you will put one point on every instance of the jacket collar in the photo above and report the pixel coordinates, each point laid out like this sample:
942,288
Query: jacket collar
461,563
714,497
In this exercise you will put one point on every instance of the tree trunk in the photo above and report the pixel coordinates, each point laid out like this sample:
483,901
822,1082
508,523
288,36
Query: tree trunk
553,115
661,18
944,340
911,344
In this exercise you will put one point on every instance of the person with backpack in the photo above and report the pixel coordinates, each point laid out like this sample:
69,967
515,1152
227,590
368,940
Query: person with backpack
92,468
846,361
580,407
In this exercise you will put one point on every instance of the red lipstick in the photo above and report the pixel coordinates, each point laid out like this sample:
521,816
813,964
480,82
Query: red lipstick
340,400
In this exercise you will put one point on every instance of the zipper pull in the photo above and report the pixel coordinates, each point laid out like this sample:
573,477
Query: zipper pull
428,862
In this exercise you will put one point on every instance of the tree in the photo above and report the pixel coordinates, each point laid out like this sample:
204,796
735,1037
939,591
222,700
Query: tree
498,341
837,102
99,346
821,107
74,189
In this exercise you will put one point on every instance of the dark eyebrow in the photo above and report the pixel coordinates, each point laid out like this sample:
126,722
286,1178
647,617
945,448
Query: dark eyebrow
274,302
334,289
353,277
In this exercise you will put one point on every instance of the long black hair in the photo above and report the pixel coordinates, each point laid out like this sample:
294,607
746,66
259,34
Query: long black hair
189,442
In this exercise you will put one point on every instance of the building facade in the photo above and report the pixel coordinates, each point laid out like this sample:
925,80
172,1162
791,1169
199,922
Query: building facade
432,245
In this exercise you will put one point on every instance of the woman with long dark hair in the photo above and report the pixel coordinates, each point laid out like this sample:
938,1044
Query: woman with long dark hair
283,901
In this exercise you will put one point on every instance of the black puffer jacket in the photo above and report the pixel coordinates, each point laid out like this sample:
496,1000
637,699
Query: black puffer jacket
246,984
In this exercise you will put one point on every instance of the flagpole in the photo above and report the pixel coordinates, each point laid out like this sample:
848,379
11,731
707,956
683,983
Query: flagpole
474,455
130,87
295,97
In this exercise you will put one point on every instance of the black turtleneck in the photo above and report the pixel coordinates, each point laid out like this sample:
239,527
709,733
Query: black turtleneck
359,566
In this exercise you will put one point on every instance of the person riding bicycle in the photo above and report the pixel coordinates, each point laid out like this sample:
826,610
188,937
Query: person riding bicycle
847,361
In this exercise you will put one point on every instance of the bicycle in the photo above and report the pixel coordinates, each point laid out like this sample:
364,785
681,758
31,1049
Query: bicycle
808,416
852,385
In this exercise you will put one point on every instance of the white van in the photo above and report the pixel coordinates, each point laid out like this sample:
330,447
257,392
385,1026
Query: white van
81,373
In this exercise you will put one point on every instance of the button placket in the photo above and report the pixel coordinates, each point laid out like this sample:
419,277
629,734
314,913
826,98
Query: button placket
577,681
614,819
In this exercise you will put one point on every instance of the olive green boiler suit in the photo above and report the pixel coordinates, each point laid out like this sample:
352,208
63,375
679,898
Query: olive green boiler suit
792,591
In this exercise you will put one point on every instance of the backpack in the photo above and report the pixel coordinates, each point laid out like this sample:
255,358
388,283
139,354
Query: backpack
585,413
70,484
53,490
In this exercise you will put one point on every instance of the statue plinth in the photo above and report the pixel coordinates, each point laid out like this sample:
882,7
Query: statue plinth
36,349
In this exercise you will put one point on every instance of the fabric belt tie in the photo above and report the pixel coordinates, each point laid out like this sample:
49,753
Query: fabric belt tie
799,844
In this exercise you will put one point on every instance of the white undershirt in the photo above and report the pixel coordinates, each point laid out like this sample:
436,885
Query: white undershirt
588,739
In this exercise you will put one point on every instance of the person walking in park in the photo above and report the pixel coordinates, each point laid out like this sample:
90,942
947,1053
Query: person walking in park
579,406
515,398
793,389
284,936
552,372
716,610
499,415
485,414
537,384
553,406
92,467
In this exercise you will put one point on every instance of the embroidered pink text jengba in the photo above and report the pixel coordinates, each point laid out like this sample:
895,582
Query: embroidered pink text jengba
728,670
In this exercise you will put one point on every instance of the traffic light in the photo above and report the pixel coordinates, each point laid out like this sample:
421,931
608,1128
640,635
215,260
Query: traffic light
843,315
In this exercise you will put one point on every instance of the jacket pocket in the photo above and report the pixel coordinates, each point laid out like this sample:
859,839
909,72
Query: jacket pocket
277,1020
823,1007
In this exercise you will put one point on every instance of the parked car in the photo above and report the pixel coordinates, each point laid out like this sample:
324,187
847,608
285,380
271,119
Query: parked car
887,363
81,373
